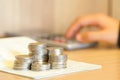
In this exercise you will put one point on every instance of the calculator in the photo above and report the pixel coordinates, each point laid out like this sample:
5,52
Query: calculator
60,41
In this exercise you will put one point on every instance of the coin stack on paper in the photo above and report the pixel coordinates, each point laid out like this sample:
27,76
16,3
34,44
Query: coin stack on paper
39,52
22,62
38,66
41,58
57,59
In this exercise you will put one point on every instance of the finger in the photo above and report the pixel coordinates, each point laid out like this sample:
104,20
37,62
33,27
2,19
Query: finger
81,22
93,36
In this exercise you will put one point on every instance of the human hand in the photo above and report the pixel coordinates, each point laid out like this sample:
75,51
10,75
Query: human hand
108,31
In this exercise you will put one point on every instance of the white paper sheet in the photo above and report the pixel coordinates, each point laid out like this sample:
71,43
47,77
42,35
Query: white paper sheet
10,47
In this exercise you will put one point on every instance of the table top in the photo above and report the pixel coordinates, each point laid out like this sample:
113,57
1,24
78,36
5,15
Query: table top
109,58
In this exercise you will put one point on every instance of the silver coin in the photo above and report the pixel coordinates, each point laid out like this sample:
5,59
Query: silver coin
55,50
59,67
60,58
37,62
39,51
23,57
58,50
36,66
22,65
57,63
19,68
36,46
40,58
22,61
42,55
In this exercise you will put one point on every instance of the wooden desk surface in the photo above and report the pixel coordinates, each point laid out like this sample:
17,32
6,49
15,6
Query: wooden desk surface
108,58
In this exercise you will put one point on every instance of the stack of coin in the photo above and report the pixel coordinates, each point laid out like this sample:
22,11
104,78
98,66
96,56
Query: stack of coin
41,58
38,66
37,48
39,52
39,55
55,50
57,59
22,62
58,62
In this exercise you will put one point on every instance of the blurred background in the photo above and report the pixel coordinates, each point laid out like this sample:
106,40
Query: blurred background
34,16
